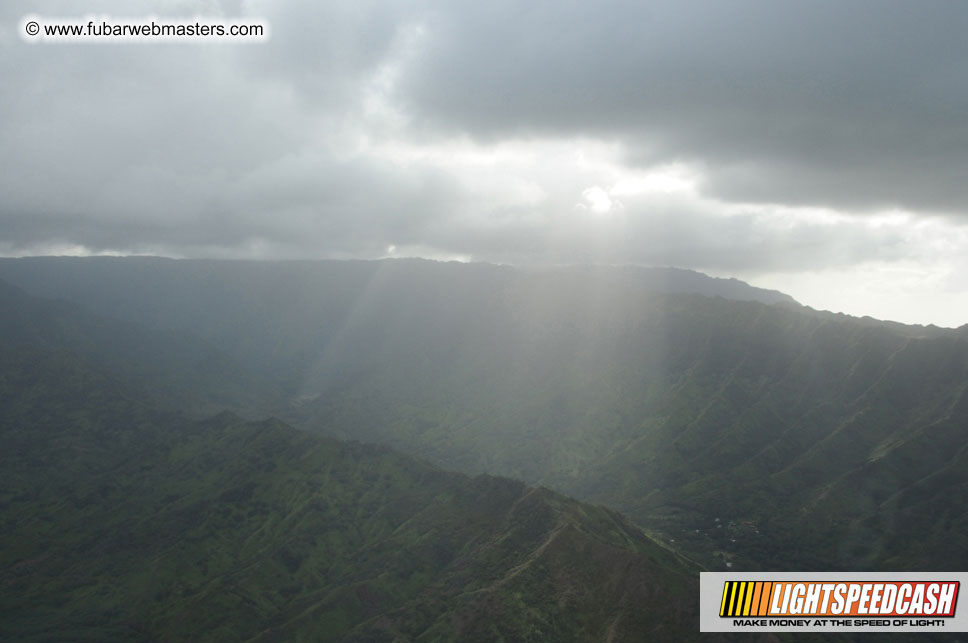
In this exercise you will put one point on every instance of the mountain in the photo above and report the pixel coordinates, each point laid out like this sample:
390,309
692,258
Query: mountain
126,521
278,318
763,435
174,368
122,522
818,441
636,279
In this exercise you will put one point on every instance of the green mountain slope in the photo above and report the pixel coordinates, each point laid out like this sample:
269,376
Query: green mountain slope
125,523
176,369
809,436
767,436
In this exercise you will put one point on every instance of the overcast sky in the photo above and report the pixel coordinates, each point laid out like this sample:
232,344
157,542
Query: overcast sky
819,148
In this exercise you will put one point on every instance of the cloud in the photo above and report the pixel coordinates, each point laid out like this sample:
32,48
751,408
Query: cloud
750,138
857,105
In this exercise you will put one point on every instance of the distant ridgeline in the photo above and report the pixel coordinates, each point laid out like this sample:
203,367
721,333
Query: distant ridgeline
747,429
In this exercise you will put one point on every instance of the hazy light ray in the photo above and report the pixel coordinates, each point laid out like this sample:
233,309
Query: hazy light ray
321,372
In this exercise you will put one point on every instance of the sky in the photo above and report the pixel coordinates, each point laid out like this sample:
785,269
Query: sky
819,148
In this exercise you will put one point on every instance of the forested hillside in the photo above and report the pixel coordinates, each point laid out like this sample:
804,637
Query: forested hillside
122,521
758,433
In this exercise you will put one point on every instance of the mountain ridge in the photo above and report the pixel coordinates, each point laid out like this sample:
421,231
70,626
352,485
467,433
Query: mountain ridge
674,408
125,520
126,523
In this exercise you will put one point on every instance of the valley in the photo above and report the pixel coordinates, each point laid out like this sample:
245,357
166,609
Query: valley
745,433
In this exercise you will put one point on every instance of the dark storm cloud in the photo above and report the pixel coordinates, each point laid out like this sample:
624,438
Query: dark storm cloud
184,148
855,104
334,137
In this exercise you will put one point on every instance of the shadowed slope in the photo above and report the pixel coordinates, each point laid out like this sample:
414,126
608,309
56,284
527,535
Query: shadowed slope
124,523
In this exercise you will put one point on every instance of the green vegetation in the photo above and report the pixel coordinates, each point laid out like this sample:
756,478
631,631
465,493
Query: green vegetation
125,523
176,369
746,431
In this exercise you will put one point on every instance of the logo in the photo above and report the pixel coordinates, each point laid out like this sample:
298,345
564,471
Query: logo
831,602
784,598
